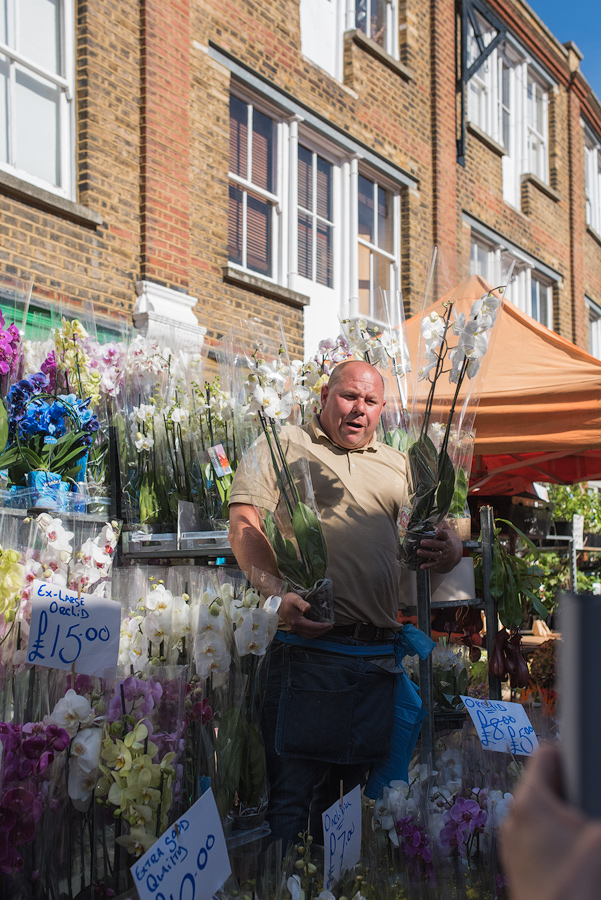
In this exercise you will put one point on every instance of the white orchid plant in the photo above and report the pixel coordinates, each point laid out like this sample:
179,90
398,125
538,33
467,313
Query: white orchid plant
273,391
454,346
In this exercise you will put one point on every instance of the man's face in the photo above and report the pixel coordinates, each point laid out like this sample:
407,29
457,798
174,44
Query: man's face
351,407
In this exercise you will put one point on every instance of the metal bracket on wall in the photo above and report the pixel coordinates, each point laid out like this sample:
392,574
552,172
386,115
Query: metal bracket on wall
467,14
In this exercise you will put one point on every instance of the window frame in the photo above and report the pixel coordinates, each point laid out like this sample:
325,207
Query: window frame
592,179
347,165
393,257
316,153
524,276
389,45
594,320
64,83
246,186
506,119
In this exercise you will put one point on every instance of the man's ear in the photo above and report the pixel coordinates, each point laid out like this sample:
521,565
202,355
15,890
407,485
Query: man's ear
324,395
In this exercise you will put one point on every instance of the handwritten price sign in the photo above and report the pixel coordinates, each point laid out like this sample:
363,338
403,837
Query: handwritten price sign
341,837
189,861
502,726
67,629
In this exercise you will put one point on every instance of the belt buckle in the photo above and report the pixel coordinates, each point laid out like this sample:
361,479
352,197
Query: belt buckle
364,631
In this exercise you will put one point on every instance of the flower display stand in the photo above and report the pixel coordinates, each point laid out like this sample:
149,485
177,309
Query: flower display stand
425,605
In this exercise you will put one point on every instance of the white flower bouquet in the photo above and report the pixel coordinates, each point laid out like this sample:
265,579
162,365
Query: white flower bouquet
271,390
453,347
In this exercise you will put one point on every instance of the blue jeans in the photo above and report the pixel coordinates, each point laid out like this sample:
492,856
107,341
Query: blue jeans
326,718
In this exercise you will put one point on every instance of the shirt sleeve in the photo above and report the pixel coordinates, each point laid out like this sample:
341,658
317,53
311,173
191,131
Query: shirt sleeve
255,482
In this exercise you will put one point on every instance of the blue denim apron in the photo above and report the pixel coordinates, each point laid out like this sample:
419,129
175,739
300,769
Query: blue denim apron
356,694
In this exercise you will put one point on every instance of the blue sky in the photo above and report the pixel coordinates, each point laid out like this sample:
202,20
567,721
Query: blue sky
578,21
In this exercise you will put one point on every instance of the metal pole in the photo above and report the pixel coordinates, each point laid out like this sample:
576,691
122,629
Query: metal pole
424,619
573,567
487,531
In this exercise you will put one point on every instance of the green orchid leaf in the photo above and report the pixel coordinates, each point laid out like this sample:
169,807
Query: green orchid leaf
286,555
457,507
532,547
310,539
253,767
32,458
3,427
462,680
446,484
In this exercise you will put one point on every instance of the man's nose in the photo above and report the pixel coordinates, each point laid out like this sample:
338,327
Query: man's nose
359,405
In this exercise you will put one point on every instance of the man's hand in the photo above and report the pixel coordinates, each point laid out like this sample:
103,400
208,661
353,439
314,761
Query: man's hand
549,849
293,610
443,552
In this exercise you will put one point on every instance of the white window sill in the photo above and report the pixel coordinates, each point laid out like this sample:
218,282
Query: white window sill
374,49
486,139
28,193
530,178
594,233
259,285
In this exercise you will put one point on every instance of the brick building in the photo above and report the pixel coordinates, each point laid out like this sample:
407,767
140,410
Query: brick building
194,162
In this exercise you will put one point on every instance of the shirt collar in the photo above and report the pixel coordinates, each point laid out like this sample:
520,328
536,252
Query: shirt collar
321,435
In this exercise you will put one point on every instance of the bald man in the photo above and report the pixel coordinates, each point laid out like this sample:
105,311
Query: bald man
327,716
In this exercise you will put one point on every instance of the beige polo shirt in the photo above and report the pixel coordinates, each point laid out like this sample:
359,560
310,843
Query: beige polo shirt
358,494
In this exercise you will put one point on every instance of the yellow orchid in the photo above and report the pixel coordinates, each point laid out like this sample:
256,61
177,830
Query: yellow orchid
138,841
117,755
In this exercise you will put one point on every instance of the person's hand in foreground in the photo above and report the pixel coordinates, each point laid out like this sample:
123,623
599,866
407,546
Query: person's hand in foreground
443,552
549,849
293,611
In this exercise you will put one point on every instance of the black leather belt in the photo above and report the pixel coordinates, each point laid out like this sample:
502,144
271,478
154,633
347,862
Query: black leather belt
363,631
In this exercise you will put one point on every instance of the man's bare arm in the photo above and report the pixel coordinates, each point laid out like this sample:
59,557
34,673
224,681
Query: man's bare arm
253,551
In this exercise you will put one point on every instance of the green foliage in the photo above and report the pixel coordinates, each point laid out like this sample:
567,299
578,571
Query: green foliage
448,686
556,578
3,427
576,499
398,439
459,501
431,480
313,562
514,580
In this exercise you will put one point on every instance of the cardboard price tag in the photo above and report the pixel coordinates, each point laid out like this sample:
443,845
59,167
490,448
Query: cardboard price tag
69,630
189,861
504,727
341,837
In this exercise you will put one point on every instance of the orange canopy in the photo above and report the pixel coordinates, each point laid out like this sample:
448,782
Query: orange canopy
539,416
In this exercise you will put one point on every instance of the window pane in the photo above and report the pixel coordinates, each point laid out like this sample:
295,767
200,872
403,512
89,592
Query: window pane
258,235
364,279
37,127
505,84
539,301
38,30
3,109
263,161
234,247
305,246
385,230
323,262
382,271
361,7
366,209
238,137
3,25
324,189
305,178
377,30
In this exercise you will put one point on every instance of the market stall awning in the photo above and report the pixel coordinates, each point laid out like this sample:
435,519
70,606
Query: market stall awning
539,417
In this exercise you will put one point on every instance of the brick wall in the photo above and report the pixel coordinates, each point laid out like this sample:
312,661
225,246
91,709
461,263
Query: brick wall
152,157
74,263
